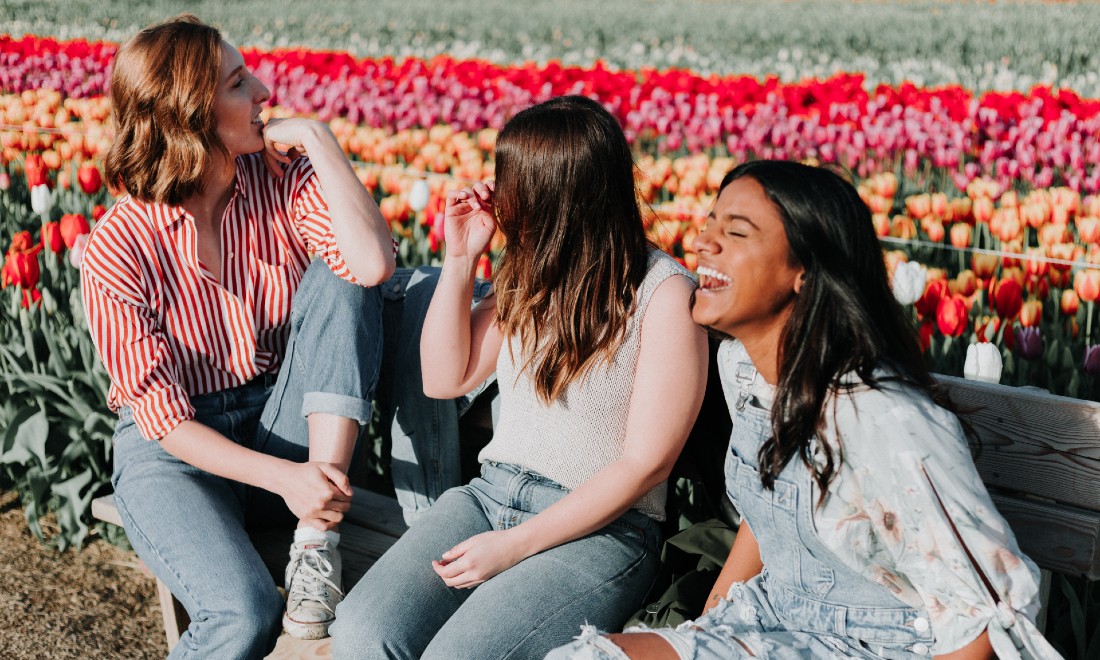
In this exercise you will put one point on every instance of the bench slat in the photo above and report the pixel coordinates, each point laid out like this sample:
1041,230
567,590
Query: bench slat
1056,537
103,508
1033,442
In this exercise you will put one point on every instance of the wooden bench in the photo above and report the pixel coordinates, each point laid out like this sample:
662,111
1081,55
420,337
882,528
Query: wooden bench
1039,457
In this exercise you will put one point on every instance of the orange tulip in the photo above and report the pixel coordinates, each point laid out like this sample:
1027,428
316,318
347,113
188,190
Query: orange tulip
986,327
918,206
961,235
966,283
961,210
982,210
1088,229
1087,284
1035,264
882,224
1031,313
984,265
903,227
885,184
939,205
935,231
1053,234
1070,302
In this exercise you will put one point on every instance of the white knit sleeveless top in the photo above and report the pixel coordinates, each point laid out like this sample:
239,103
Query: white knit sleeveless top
575,436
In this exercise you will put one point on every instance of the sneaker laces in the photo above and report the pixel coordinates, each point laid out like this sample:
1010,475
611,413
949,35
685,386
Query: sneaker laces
312,577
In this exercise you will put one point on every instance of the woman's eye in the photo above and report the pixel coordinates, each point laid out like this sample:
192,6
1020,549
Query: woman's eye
240,81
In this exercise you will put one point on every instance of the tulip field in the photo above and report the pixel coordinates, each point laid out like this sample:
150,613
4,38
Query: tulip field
981,170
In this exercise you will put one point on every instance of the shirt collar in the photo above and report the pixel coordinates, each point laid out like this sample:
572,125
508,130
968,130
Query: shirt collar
165,215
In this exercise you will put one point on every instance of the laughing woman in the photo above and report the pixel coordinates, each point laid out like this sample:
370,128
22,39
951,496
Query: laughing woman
241,372
867,532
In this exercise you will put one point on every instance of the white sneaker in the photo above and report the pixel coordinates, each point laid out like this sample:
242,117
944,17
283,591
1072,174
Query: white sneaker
313,589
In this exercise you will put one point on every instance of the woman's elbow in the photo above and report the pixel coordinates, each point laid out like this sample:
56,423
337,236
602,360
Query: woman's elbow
374,272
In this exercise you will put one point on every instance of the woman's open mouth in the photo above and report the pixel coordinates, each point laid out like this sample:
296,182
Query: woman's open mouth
712,280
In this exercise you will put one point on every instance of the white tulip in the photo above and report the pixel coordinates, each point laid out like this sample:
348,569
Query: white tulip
983,362
909,280
41,199
418,196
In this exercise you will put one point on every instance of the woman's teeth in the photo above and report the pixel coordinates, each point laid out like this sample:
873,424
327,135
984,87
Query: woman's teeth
710,279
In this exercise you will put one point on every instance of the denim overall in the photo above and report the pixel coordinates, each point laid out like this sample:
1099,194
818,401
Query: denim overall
804,587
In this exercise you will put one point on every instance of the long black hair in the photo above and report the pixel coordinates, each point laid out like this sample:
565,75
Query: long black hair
845,318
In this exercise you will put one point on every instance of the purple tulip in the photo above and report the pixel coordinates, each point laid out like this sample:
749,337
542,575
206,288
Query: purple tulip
1092,360
1029,343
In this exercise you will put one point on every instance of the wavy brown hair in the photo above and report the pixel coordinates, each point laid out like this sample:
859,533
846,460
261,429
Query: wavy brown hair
576,247
162,105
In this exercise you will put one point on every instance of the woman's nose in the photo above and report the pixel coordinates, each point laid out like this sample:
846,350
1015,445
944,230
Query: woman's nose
704,243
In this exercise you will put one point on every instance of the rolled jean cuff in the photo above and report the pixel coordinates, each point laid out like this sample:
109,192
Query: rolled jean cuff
340,405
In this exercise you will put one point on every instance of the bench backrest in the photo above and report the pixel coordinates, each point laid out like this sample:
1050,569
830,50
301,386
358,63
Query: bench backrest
1040,459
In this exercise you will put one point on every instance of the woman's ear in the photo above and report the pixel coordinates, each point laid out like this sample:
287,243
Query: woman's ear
799,281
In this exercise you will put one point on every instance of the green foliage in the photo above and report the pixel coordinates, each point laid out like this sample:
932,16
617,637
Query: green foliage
1003,45
56,430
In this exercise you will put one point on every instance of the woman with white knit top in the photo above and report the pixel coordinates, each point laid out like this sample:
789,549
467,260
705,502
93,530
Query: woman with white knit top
561,527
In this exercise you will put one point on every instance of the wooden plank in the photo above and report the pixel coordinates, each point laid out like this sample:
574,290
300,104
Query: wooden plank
289,648
173,614
1033,442
103,508
1056,537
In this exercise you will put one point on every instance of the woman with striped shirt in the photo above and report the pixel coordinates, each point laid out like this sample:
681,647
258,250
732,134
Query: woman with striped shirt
240,371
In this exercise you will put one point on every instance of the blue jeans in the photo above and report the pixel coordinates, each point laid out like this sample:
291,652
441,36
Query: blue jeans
189,526
402,609
423,432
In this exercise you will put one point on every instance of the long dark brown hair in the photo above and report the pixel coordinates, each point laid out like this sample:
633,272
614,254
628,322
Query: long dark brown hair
576,247
845,318
163,88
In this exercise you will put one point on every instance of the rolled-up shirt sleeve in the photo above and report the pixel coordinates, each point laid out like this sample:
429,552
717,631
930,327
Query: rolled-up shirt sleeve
136,355
938,530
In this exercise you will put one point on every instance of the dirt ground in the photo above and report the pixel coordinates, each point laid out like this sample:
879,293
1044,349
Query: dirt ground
93,604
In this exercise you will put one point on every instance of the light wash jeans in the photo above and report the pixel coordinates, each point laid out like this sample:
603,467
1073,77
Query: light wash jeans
189,526
402,609
423,432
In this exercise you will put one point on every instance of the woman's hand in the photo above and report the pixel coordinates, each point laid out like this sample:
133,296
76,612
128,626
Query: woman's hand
468,220
293,134
316,491
478,558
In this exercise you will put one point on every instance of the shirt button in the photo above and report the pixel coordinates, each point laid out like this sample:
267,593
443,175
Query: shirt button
920,624
920,649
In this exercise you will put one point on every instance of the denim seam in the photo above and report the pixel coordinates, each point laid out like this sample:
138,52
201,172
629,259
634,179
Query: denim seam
125,513
603,585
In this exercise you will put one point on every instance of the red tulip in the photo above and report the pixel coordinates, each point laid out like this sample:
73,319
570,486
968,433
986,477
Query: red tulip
34,168
73,225
51,237
97,212
933,293
31,297
952,315
1006,297
89,178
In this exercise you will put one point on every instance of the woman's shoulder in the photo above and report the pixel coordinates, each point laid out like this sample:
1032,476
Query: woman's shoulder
661,265
896,417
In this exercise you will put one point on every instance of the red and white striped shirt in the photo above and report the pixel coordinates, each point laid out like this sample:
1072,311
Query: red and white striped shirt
164,327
